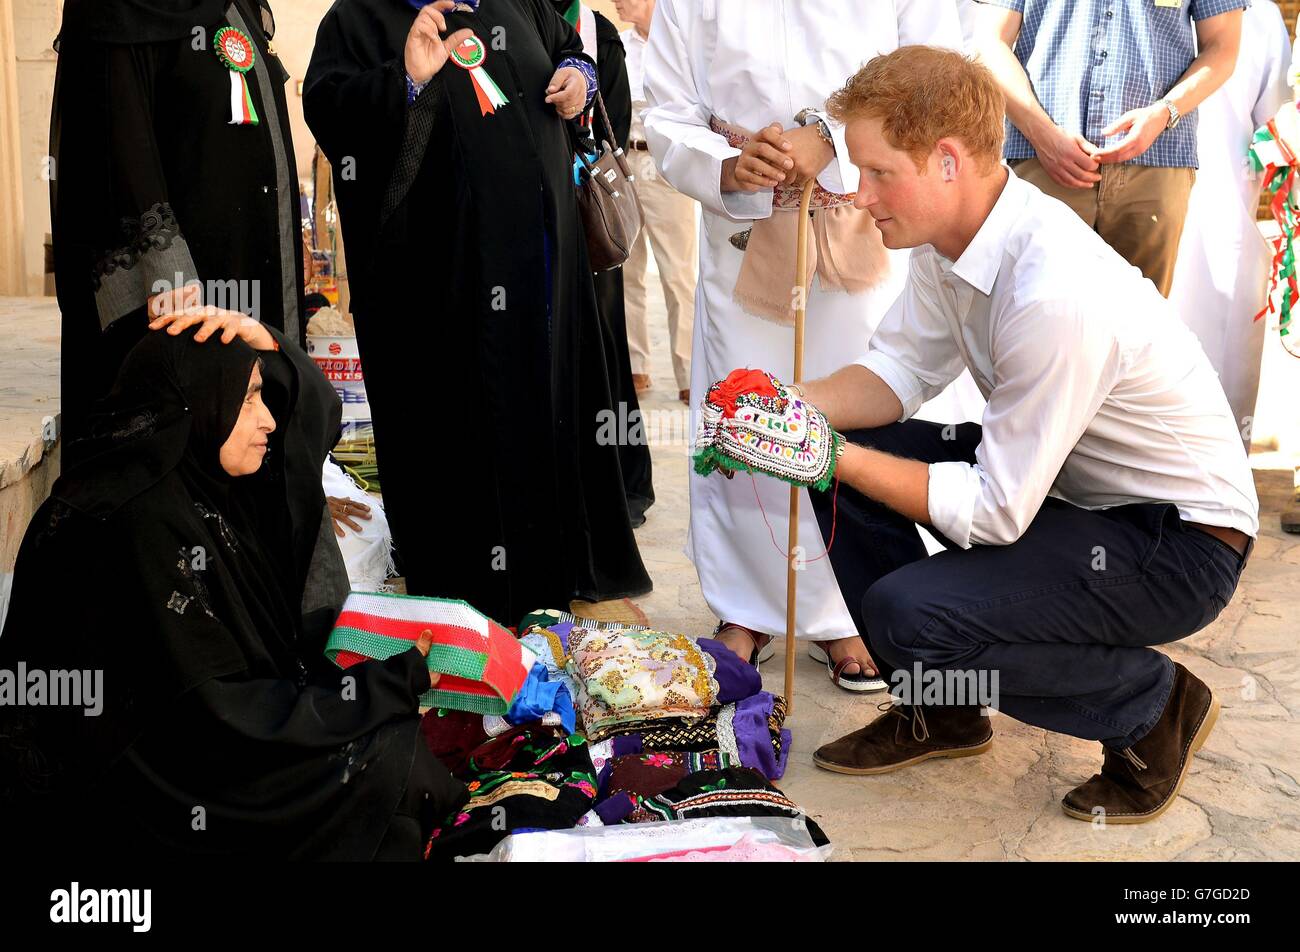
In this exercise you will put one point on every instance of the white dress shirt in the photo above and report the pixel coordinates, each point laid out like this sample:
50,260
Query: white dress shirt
1097,393
751,63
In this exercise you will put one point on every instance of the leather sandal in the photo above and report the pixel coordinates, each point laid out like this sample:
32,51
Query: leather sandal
763,646
860,682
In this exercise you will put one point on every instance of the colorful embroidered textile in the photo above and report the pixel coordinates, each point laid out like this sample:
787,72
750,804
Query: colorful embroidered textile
630,779
629,676
529,778
549,617
735,791
646,775
551,646
751,422
482,665
749,733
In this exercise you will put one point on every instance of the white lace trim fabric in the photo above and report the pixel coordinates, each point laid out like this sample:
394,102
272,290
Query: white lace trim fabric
727,732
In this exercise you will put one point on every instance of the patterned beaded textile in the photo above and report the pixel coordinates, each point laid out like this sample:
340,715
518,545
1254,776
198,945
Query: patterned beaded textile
751,422
627,676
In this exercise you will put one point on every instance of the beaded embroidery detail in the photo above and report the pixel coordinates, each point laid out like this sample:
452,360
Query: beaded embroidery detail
765,429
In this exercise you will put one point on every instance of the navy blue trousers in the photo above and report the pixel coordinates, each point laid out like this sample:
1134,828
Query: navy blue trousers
1066,615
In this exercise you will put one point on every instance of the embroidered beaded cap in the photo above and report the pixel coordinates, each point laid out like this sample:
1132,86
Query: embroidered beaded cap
751,422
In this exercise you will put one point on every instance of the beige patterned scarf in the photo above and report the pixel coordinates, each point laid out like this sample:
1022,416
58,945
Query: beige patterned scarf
845,249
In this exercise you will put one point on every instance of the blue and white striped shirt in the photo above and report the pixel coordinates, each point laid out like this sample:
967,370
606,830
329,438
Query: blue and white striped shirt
1091,61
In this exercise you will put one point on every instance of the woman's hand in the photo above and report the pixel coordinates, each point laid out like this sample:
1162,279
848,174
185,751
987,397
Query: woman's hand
422,645
344,510
232,324
568,91
426,50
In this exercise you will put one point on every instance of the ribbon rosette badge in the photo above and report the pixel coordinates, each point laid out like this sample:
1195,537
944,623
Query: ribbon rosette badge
237,54
470,54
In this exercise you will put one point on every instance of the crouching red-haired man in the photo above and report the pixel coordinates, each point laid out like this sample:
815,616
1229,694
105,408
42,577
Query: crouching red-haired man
1104,504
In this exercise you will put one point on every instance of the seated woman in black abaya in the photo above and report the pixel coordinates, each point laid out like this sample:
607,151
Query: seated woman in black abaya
173,558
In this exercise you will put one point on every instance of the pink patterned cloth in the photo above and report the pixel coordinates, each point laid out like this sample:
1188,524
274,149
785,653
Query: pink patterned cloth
746,850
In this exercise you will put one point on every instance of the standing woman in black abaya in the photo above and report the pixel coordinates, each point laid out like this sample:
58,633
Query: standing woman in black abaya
165,178
448,130
601,41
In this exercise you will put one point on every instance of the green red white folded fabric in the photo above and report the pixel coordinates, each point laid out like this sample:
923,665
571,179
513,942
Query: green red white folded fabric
482,665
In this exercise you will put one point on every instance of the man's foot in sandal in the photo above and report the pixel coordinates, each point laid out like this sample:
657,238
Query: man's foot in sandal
749,645
848,663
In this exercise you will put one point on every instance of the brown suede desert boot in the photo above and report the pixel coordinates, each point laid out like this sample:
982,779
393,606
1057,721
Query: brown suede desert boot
907,734
1141,782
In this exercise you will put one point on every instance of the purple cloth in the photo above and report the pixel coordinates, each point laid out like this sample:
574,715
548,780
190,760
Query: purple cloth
737,679
754,737
561,630
626,744
615,809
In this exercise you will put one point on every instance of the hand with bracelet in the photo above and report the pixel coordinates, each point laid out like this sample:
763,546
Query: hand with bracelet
776,156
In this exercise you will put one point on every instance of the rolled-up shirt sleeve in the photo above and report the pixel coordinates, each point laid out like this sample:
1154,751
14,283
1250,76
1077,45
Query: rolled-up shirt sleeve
1052,373
913,351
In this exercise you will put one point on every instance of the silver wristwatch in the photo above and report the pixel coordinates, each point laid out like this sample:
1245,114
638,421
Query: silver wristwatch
802,117
1175,116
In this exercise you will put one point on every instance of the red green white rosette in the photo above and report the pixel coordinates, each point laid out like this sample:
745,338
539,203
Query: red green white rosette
237,54
470,54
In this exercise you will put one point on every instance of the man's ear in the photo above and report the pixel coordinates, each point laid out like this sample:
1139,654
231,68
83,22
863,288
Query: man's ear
950,159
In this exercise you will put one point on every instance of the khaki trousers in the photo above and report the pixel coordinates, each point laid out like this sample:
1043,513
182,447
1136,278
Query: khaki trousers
670,231
1137,209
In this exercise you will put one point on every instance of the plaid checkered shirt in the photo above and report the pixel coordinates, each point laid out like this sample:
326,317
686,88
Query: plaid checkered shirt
1091,61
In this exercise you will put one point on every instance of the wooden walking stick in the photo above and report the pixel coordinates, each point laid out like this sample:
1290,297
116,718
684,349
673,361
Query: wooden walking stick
800,312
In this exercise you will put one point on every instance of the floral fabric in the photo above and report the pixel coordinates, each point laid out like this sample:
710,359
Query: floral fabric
629,676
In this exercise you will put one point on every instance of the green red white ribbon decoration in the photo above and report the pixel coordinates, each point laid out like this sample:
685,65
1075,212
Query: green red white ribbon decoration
236,52
483,666
1269,154
470,54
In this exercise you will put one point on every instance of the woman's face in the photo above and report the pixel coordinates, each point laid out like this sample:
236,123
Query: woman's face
245,448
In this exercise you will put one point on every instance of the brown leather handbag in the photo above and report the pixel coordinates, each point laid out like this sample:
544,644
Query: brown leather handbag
607,199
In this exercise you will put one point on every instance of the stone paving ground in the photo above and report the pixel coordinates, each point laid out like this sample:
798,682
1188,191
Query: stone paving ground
1241,800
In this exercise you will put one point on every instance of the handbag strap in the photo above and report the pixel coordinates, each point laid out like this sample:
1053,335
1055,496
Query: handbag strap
597,105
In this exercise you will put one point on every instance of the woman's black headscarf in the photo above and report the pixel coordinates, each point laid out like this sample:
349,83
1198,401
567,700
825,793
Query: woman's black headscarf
151,563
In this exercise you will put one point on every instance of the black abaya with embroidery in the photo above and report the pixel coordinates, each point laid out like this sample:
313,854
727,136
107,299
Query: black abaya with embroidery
222,729
150,181
475,311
